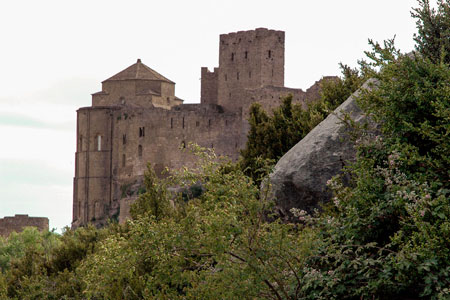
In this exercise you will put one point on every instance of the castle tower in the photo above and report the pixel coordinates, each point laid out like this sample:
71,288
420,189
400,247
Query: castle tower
247,60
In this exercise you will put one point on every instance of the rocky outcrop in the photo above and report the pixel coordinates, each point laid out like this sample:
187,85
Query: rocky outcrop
300,176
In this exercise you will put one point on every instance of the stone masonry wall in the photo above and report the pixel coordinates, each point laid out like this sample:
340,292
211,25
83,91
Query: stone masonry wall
19,222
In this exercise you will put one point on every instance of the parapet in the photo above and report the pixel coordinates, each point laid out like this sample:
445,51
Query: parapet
19,222
249,35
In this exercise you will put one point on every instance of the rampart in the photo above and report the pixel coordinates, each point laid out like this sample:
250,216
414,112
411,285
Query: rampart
19,222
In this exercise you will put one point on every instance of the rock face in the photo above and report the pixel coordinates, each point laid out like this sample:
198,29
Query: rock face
300,176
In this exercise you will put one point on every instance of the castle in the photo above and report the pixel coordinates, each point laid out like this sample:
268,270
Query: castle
136,118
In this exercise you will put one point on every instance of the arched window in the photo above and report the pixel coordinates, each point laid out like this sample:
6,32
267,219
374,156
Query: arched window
140,150
99,142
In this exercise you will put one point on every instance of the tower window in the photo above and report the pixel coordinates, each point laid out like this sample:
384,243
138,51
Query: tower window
246,54
99,142
270,53
124,139
232,56
171,122
197,123
237,75
209,122
123,160
80,148
226,122
183,122
140,150
141,131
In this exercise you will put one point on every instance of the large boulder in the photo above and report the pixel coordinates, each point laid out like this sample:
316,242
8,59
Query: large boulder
300,176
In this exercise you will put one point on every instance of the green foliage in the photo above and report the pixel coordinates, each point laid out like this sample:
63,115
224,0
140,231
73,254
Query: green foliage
215,246
386,234
154,200
270,137
204,234
433,37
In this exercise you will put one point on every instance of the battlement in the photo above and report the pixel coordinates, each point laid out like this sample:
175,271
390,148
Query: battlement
19,222
249,36
137,118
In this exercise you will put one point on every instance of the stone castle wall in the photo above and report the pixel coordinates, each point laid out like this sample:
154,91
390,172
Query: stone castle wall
19,222
137,119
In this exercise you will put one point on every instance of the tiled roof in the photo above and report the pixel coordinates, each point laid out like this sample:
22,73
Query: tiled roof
139,71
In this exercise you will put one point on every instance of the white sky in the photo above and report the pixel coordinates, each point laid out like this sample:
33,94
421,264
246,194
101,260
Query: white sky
54,54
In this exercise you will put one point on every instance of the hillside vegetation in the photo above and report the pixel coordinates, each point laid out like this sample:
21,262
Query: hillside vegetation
385,234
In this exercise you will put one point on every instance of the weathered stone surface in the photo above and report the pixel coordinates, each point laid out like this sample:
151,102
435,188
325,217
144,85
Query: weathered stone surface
299,178
19,222
136,118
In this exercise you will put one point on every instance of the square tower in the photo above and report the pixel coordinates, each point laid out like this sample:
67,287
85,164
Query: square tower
249,59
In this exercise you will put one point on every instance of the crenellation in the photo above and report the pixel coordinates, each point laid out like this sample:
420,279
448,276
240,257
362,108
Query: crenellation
137,119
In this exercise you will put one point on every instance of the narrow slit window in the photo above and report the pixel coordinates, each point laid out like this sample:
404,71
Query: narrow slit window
171,122
123,160
183,122
140,150
197,123
226,122
232,56
99,143
209,122
237,75
270,53
81,144
246,54
141,131
124,139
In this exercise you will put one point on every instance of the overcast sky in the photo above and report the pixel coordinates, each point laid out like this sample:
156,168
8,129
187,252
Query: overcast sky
54,54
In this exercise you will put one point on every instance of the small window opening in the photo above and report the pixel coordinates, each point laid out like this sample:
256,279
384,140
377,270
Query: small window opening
79,210
183,122
232,56
140,150
171,122
123,160
237,75
235,145
197,123
209,122
246,54
226,122
81,144
141,131
229,95
270,53
99,143
124,139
